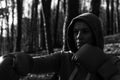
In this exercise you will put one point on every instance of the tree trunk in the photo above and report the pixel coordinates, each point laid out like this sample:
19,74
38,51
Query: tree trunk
47,9
42,31
12,38
72,10
12,28
108,17
19,27
33,43
95,7
65,6
118,19
1,40
36,25
80,6
112,16
8,36
56,26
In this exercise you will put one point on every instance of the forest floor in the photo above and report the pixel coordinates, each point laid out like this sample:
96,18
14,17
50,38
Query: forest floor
112,46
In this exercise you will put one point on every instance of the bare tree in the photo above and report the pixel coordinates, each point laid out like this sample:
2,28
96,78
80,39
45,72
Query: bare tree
19,26
42,31
108,17
47,9
112,17
72,10
118,19
1,38
8,27
56,26
33,38
95,7
12,28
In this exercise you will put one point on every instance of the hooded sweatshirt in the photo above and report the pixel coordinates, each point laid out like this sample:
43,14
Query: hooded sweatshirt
61,63
95,26
93,23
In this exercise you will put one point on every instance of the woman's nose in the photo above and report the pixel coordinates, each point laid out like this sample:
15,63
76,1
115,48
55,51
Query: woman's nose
78,35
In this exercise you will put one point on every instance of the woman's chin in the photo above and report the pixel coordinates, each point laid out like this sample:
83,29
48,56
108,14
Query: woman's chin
79,46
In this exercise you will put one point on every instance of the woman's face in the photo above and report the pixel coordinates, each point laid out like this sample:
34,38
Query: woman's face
82,34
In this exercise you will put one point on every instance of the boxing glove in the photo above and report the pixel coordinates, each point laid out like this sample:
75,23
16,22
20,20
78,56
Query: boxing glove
95,61
7,71
23,63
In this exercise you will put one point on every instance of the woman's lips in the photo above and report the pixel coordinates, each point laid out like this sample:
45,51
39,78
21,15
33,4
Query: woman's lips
79,43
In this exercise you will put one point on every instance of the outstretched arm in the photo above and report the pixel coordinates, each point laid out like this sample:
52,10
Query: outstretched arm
25,64
46,64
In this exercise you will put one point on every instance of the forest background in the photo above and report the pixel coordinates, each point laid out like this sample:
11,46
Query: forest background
32,26
38,27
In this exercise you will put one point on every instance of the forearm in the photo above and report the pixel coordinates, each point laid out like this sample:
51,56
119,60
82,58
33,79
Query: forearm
45,64
25,64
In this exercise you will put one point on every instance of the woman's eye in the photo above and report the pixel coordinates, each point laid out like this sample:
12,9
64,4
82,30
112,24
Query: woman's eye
76,31
85,31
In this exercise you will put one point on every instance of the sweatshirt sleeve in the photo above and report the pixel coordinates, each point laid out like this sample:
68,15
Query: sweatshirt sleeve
117,76
46,64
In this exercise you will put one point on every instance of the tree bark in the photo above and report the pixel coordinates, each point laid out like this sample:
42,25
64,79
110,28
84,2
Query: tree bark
19,27
72,10
47,9
55,43
33,43
42,31
112,15
1,39
95,7
118,19
108,17
12,28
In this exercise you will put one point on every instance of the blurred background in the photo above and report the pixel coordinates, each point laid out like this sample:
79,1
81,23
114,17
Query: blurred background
39,26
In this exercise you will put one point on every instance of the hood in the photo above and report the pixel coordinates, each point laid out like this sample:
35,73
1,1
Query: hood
93,23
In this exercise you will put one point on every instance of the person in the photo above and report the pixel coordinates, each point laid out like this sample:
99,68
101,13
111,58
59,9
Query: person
85,59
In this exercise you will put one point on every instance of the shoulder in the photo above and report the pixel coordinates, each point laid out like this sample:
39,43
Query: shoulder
66,54
62,53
